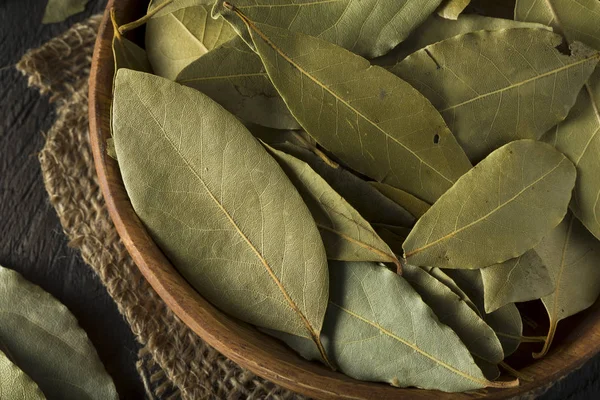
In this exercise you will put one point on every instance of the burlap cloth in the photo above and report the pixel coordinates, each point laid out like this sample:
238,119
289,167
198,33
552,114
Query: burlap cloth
173,362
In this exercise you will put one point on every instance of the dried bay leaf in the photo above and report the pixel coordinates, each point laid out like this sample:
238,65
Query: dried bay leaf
176,38
353,109
234,76
346,235
55,352
126,53
573,256
213,199
478,337
517,280
441,276
577,20
369,202
451,9
496,87
370,28
505,321
15,384
59,10
412,204
435,29
377,328
473,226
577,136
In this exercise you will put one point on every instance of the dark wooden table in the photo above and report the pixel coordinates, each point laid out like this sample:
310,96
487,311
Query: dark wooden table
31,240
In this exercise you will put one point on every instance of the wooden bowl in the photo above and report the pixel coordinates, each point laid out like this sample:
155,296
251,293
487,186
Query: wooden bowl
240,342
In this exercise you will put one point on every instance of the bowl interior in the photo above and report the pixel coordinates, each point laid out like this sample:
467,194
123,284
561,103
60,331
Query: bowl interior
242,343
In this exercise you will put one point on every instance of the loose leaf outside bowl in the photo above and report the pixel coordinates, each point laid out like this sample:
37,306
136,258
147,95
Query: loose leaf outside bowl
15,384
44,340
497,211
218,205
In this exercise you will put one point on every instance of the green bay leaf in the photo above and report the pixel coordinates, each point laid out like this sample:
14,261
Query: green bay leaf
577,136
377,328
451,9
234,76
517,280
43,338
176,38
59,10
369,202
577,20
573,255
479,338
345,233
505,321
435,29
213,199
497,211
353,109
370,28
499,86
126,53
412,204
15,384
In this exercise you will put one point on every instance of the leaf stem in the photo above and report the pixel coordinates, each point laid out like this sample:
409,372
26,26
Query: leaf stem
515,373
132,25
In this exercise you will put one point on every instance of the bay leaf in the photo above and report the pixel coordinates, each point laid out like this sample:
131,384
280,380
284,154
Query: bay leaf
435,29
345,233
577,20
573,255
496,87
15,384
282,137
393,239
59,10
517,280
352,109
412,204
55,352
176,38
234,76
505,321
497,211
377,328
370,28
577,137
441,276
195,175
477,336
451,9
369,202
126,53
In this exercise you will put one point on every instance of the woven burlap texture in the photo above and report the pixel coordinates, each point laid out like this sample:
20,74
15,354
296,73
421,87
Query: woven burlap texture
174,362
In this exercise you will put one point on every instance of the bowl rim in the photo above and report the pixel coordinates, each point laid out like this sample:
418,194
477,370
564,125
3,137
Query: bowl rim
236,340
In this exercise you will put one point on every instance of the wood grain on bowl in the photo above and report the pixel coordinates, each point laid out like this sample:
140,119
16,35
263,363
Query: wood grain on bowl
240,342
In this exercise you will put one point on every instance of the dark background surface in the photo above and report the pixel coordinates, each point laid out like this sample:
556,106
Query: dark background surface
31,239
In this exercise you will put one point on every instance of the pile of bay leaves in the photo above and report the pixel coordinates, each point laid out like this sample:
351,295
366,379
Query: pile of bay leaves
374,182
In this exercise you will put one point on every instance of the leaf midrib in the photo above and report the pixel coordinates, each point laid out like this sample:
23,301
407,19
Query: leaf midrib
251,25
478,220
313,332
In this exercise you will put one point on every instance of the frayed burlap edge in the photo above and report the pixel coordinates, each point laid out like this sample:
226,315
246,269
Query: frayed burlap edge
174,362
